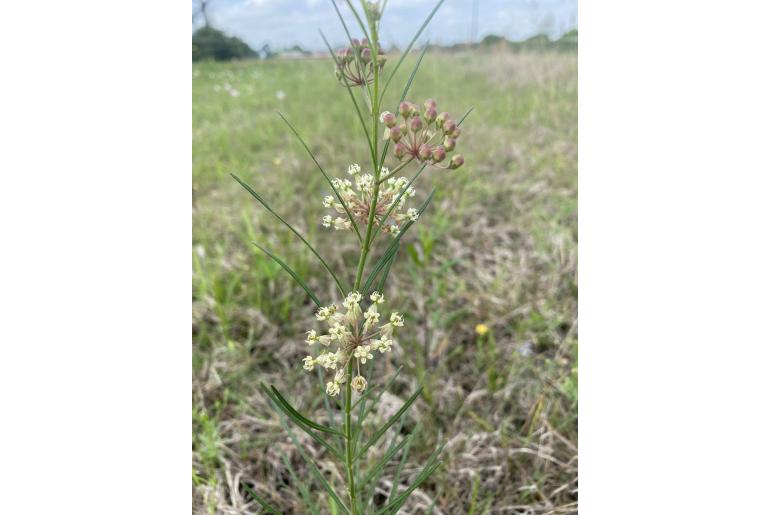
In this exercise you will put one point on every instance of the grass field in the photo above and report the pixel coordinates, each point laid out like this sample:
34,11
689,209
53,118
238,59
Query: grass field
497,246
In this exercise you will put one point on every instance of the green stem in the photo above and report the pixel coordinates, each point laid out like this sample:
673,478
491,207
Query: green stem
349,459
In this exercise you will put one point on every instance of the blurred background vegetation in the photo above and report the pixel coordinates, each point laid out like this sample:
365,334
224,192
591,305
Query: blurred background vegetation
487,278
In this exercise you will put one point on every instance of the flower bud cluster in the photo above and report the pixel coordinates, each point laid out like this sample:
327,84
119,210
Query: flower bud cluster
356,63
355,334
357,195
423,135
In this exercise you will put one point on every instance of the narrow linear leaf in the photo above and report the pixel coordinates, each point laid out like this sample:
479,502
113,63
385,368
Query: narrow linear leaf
292,229
430,466
385,459
411,44
386,272
390,422
290,272
365,412
297,415
328,180
303,491
403,97
314,468
404,457
326,445
266,505
393,247
376,480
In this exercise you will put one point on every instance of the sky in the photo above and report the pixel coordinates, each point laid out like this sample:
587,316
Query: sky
284,23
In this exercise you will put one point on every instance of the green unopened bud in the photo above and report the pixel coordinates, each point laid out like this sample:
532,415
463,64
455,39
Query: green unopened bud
424,152
441,118
439,154
449,144
456,162
366,55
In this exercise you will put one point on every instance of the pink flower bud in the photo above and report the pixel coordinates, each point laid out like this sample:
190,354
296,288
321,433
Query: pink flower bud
439,154
400,150
456,162
440,119
456,133
424,152
355,42
366,55
395,133
449,144
389,119
416,124
404,109
430,114
363,42
449,126
430,104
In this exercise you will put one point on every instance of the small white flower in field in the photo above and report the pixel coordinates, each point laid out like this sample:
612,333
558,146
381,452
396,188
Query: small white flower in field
363,353
377,297
354,169
326,221
308,363
397,320
280,95
353,298
338,332
234,93
358,383
412,214
332,388
312,337
328,360
328,201
394,230
326,312
340,376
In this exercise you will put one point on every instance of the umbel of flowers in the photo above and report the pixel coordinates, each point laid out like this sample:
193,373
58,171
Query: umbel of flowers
355,65
352,335
357,194
423,135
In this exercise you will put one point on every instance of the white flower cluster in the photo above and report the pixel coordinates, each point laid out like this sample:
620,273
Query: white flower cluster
356,335
357,196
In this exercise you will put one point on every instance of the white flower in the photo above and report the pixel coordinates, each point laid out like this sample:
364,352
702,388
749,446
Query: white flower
358,383
280,95
326,312
326,221
354,169
353,298
412,214
312,337
339,377
365,182
362,353
332,388
341,223
397,320
377,297
382,116
308,363
384,344
325,340
393,229
328,201
327,360
338,332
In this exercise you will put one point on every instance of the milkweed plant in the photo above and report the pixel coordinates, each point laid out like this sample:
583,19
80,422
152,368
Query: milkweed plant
358,327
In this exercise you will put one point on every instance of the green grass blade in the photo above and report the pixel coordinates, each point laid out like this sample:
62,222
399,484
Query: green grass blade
266,505
411,44
297,419
292,229
352,97
296,415
326,176
314,468
376,480
365,412
303,491
392,420
386,271
380,465
291,272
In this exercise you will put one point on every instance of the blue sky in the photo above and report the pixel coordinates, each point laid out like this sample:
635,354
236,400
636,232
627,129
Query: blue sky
283,23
